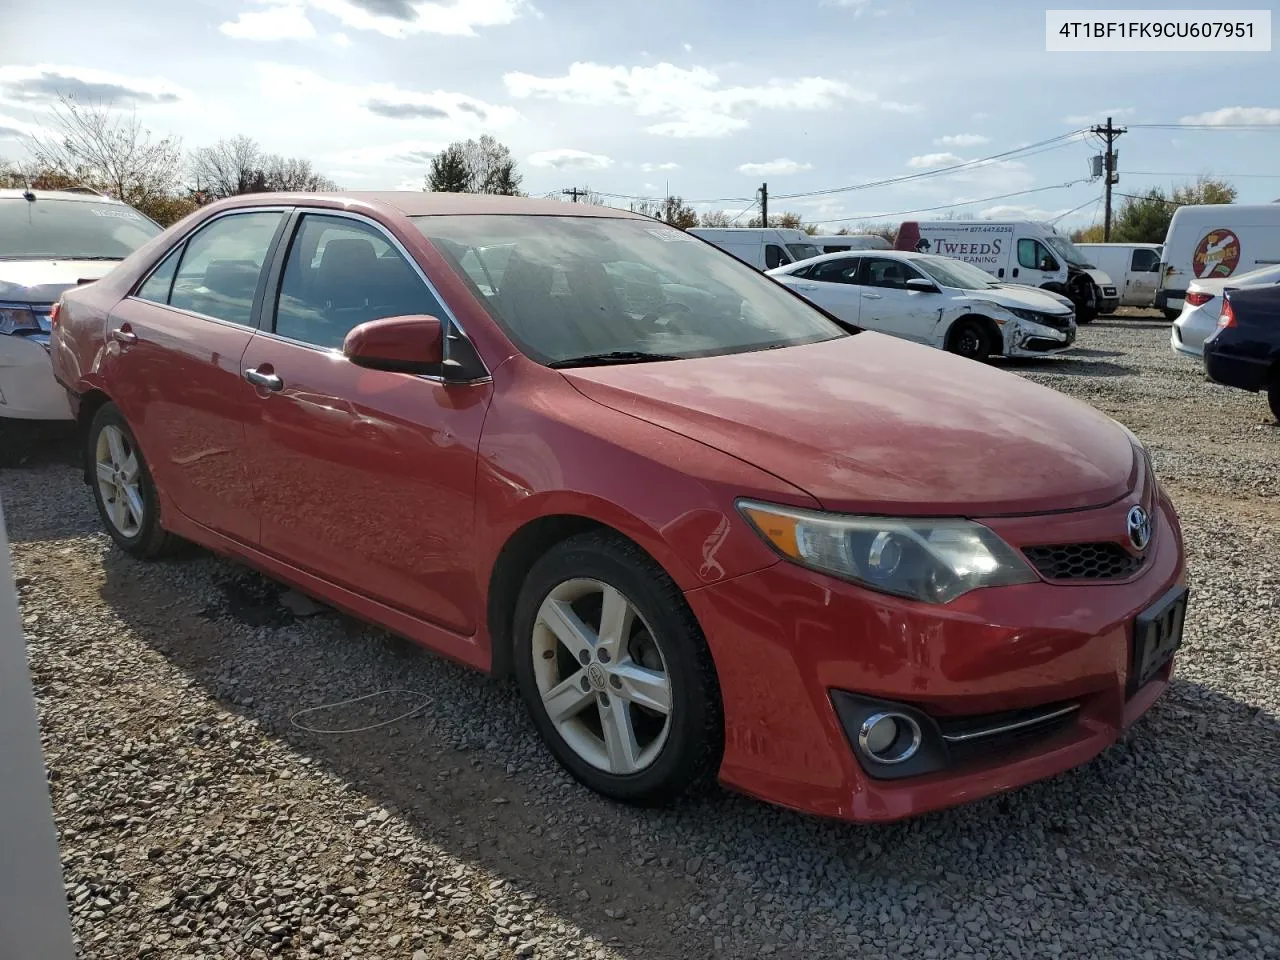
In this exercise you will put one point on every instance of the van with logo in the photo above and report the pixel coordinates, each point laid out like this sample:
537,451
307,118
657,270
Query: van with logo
1214,241
762,247
1018,252
1135,268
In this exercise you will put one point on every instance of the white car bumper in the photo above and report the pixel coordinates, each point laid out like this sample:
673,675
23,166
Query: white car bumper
1194,326
1024,338
27,388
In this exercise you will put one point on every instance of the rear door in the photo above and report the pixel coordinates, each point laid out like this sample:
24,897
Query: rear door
832,285
1142,277
887,304
173,354
367,478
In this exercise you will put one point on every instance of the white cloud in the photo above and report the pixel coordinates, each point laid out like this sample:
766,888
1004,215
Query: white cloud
402,18
962,140
778,168
859,7
688,48
412,153
456,114
1077,119
11,128
281,20
650,167
1234,115
693,102
931,161
1011,211
566,158
46,82
340,40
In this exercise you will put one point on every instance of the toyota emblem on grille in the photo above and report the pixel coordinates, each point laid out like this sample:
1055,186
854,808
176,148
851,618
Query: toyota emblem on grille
1139,524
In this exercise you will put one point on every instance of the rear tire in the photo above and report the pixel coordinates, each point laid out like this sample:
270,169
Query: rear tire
969,338
615,671
122,486
1172,315
1273,399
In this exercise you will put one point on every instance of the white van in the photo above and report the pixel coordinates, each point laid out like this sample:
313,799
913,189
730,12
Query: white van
1212,241
838,243
1018,252
762,247
1135,268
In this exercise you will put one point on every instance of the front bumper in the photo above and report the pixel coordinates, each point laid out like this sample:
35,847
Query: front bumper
27,388
1244,373
785,640
1025,338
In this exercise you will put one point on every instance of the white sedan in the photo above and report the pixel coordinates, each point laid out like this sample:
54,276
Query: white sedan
938,301
1203,305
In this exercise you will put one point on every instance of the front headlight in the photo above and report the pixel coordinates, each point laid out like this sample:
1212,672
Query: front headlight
1032,315
18,318
931,560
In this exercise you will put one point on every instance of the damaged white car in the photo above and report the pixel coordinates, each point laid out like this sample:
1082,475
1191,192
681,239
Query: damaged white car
938,301
50,240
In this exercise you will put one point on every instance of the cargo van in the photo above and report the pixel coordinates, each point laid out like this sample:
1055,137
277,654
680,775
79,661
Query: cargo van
1018,252
1213,241
762,247
839,243
1134,267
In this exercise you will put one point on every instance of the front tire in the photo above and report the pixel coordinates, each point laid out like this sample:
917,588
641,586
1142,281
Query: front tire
615,671
122,486
969,338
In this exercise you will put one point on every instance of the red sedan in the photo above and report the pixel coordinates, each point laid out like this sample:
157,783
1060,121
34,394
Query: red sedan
710,530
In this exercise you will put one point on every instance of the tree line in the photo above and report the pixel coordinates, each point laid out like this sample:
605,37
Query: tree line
1144,218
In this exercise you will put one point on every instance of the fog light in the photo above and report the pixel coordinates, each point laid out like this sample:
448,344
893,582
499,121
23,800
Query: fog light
889,737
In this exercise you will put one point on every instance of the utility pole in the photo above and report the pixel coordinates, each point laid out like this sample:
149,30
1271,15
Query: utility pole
575,193
764,204
1109,133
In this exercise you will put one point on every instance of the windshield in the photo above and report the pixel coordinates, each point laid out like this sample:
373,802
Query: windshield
803,251
570,287
70,230
955,273
1068,251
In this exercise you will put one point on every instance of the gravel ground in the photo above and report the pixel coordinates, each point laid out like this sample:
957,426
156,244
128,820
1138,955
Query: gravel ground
195,821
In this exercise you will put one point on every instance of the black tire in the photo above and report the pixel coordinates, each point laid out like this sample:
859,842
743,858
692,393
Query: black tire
1085,316
1172,315
1273,398
151,540
969,338
690,755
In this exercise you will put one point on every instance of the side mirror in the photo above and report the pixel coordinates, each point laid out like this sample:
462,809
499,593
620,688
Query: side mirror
413,344
1048,264
922,285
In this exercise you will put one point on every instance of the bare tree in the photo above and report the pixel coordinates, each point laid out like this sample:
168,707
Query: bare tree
227,168
96,146
292,174
475,166
715,218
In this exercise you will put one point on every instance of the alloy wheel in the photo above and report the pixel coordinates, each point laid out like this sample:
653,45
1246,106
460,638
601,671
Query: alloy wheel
601,676
119,478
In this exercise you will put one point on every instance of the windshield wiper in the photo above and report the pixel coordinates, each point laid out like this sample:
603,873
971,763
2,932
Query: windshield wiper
615,356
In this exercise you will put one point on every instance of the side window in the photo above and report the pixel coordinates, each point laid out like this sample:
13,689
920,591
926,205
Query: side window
889,273
844,270
1145,261
341,273
1029,254
221,264
157,286
774,256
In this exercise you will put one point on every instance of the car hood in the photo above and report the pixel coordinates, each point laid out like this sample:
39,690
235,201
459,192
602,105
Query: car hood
1098,276
873,424
42,281
1022,298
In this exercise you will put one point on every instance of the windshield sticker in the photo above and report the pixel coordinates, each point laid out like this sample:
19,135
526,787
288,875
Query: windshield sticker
671,236
115,214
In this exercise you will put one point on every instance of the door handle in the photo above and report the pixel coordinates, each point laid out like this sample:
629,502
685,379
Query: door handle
871,296
268,381
124,335
1015,271
804,286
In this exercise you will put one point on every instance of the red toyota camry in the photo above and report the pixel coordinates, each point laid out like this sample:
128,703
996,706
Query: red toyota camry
709,529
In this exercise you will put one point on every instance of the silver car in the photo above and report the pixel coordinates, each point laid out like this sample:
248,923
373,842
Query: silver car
1203,304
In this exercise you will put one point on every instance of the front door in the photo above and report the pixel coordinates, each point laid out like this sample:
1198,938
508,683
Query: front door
1142,277
890,307
1036,265
174,351
366,478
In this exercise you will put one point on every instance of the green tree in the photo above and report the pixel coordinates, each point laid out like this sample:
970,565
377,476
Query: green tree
449,172
474,166
1145,218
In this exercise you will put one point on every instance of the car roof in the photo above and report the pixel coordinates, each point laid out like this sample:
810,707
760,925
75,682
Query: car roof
421,203
83,195
846,254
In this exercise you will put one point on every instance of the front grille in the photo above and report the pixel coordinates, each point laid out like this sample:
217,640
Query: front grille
1058,321
972,739
1084,561
1041,344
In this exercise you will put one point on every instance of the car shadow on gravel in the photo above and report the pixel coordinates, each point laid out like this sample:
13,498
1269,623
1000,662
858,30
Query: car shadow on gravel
1171,823
1069,364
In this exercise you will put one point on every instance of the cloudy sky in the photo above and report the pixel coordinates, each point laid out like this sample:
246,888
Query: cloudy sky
632,98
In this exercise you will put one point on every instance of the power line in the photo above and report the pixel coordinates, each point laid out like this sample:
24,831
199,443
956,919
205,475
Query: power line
1095,201
963,203
744,212
1238,176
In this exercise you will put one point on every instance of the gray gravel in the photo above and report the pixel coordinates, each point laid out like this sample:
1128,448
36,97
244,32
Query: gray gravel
197,822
